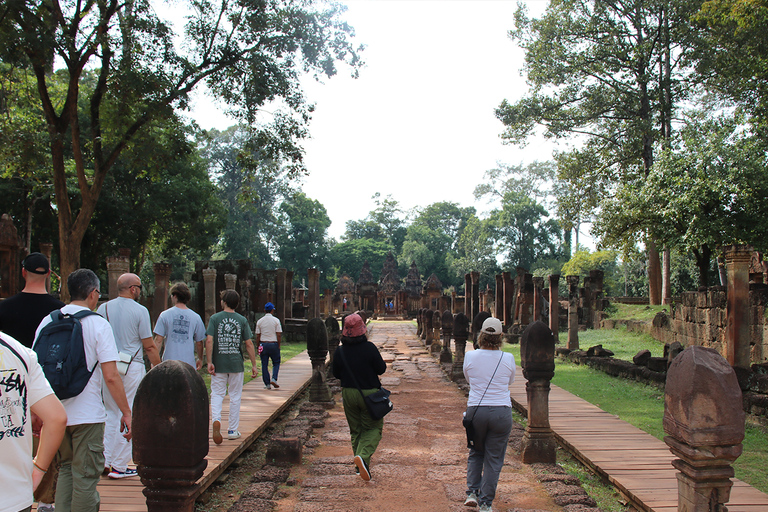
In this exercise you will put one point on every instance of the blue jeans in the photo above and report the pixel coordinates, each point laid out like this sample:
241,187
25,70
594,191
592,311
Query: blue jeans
492,427
270,350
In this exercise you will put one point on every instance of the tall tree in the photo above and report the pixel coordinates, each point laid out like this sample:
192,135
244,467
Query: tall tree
476,251
248,53
303,241
597,71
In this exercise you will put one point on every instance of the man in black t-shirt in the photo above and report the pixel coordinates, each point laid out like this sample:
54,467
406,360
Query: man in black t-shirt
21,314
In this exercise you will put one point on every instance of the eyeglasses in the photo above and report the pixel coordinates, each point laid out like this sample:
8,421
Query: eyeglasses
137,286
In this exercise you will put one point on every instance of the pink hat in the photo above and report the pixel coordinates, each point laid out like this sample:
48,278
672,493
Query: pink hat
353,326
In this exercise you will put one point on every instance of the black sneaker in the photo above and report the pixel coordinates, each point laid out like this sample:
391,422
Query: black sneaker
365,472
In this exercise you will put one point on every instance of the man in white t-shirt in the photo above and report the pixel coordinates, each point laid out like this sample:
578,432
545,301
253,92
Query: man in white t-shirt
269,334
179,330
81,454
133,336
25,391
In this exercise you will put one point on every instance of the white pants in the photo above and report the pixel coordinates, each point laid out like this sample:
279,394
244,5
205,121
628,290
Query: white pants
118,451
219,384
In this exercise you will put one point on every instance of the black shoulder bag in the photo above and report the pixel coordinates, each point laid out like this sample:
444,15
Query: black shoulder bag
378,403
467,422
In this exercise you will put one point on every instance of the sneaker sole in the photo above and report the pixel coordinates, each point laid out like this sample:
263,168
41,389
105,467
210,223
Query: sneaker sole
118,476
274,384
217,432
470,503
364,473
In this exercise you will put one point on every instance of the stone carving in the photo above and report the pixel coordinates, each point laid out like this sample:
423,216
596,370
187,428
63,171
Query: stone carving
460,335
447,327
537,353
317,349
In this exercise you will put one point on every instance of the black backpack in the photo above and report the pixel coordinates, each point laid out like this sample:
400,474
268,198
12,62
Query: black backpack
61,353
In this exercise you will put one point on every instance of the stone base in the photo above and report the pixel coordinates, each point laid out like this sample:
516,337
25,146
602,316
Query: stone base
538,449
283,451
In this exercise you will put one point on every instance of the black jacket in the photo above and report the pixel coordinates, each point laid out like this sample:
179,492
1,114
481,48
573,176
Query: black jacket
359,358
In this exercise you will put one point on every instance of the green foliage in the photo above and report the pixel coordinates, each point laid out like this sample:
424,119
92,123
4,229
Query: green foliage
477,252
583,261
302,237
348,257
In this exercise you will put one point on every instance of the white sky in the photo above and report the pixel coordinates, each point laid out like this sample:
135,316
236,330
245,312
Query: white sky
419,122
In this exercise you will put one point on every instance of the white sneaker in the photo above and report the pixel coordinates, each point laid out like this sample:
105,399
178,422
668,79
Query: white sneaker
274,384
471,500
233,434
47,507
485,508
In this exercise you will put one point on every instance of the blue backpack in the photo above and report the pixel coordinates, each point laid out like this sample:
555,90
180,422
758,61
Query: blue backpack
61,353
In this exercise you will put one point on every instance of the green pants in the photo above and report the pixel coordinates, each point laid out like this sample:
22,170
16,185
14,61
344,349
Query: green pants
81,456
364,430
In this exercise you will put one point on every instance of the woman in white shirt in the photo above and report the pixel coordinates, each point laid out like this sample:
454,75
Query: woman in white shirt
489,372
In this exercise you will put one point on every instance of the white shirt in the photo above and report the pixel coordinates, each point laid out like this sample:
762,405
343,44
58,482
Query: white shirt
479,366
130,324
268,326
99,343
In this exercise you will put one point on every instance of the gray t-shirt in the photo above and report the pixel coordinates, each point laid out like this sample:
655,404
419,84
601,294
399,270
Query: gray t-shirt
181,328
130,323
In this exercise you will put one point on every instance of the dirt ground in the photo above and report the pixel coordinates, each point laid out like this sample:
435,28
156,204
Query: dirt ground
420,464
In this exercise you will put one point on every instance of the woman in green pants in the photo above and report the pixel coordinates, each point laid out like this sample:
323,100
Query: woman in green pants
358,364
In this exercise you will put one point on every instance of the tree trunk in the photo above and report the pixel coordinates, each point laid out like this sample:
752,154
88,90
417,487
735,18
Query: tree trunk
666,278
654,273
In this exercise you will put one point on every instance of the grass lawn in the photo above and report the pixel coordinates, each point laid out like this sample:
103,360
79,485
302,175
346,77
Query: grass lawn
634,311
642,405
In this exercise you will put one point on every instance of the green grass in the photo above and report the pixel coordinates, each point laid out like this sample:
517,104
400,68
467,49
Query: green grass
642,405
634,311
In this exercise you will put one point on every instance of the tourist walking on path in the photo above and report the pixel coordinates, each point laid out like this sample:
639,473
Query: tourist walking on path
19,317
227,331
269,334
179,331
489,372
133,336
81,454
25,392
357,364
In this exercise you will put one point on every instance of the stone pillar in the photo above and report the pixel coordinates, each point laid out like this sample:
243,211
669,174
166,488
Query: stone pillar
453,302
436,345
509,299
288,308
460,335
573,312
317,349
429,327
46,249
116,266
211,300
447,325
475,277
280,313
554,305
498,309
170,435
537,354
704,418
162,279
737,259
334,337
313,292
230,281
468,295
538,297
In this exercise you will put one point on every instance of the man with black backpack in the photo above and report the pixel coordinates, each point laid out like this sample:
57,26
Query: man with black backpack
81,453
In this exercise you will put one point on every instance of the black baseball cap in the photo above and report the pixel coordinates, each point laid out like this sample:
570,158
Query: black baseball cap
34,262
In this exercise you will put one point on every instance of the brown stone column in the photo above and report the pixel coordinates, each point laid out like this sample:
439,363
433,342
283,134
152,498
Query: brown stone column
162,279
313,292
737,258
460,335
538,297
475,280
230,281
704,418
317,349
554,305
209,281
446,323
280,276
573,312
116,266
288,294
46,250
509,299
537,352
498,309
468,295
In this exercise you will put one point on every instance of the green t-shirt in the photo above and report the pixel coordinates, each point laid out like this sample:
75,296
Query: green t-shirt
229,330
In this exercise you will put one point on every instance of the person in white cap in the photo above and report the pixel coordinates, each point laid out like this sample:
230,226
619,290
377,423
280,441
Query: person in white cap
489,372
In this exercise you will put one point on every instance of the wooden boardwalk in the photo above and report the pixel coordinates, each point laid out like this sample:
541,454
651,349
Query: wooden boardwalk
259,407
637,463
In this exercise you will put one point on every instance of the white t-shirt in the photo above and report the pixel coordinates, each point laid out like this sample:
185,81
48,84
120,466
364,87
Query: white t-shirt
99,342
130,324
181,328
479,366
268,326
16,422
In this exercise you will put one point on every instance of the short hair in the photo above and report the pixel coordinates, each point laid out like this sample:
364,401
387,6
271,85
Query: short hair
489,340
182,293
231,298
81,283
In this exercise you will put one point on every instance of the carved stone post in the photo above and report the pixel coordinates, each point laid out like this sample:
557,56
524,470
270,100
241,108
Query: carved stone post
509,299
554,305
419,322
288,295
162,278
704,418
116,266
498,298
46,249
538,297
468,295
280,311
447,326
209,278
170,435
429,325
475,279
460,335
737,259
313,292
537,351
436,345
573,312
230,281
317,349
334,337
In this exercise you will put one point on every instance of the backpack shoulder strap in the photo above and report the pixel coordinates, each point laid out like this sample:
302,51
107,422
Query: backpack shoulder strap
9,347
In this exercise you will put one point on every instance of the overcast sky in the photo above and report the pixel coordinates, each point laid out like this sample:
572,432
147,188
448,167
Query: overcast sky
418,124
